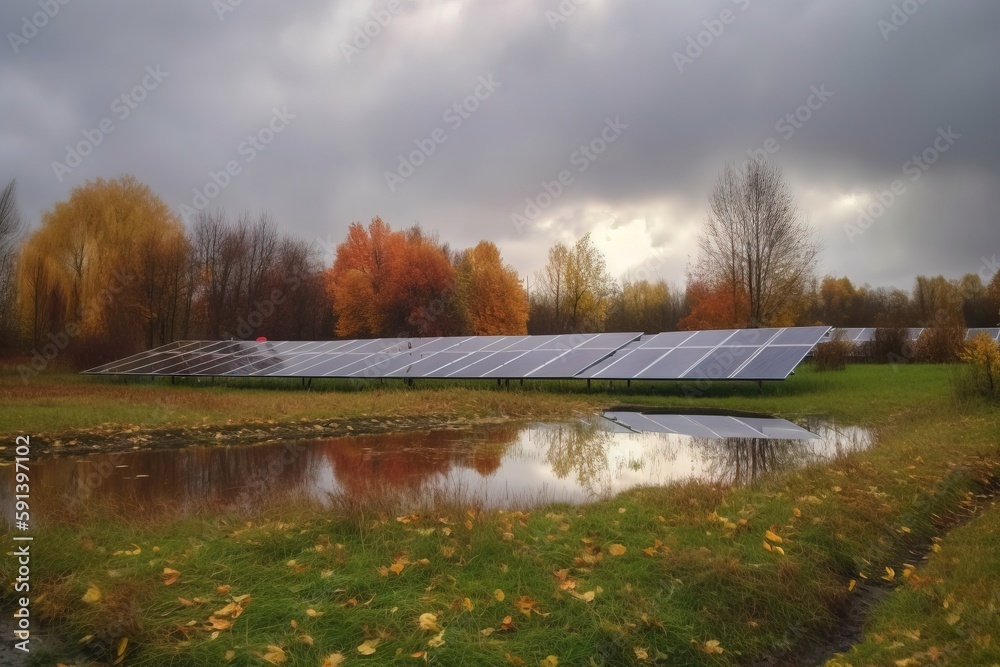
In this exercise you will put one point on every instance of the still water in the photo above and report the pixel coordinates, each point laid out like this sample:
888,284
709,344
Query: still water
514,465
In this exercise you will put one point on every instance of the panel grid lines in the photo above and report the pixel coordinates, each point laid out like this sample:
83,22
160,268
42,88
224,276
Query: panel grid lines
741,354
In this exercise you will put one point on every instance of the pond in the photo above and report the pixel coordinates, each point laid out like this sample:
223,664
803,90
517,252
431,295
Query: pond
513,465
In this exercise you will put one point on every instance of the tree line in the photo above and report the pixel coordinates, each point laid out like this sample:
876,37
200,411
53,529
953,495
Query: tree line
112,270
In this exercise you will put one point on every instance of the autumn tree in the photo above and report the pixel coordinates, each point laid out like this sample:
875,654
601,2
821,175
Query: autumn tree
641,305
101,268
756,244
11,230
574,289
493,300
392,283
713,306
838,296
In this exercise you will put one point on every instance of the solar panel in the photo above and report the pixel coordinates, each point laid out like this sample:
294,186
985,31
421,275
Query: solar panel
711,426
992,332
755,354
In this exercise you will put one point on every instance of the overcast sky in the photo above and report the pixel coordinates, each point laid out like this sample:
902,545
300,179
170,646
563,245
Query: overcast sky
321,108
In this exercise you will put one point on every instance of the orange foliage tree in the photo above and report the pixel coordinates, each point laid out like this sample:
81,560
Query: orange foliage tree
392,283
714,306
492,298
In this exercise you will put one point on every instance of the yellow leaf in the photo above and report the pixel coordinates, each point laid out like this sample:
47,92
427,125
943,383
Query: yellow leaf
641,653
447,552
712,647
333,660
617,549
467,604
230,655
621,510
767,546
549,661
437,640
294,623
498,594
306,639
953,618
275,655
92,595
890,573
312,613
170,576
772,536
122,645
586,597
368,647
212,637
779,550
223,590
429,621
850,586
398,566
185,602
215,623
486,632
420,655
797,512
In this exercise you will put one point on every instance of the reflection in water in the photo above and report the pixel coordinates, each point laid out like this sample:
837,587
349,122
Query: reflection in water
493,466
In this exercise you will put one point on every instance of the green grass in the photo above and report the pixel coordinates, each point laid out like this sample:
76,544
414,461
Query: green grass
707,577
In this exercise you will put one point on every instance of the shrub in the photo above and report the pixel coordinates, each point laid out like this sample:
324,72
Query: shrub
941,344
982,372
889,345
832,356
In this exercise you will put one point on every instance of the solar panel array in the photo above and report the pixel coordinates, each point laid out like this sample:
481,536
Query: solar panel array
712,426
750,354
867,334
992,332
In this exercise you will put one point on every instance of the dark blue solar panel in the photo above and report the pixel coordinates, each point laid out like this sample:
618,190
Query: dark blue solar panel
721,363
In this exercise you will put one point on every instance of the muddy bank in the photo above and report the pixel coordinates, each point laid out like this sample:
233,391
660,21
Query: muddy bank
131,438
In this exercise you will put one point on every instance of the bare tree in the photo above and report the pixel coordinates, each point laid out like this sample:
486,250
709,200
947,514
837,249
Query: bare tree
11,230
756,242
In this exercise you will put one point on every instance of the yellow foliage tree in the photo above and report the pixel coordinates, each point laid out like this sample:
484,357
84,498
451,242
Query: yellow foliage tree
107,264
494,301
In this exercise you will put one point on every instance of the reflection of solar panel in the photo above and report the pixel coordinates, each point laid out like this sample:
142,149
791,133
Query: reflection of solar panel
712,426
747,354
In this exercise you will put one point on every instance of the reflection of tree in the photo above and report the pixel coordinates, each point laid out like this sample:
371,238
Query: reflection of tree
366,465
732,461
580,448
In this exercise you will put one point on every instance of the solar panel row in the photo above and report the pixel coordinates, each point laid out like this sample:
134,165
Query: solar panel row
749,354
859,335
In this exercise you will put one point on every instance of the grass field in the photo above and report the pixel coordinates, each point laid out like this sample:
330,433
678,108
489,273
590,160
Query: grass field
689,574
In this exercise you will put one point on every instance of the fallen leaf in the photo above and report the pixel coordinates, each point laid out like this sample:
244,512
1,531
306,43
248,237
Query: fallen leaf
92,595
437,640
641,653
467,604
486,632
230,655
306,639
772,536
498,594
368,647
712,647
549,661
170,576
398,566
333,660
850,586
447,552
223,590
429,621
275,655
215,623
616,550
767,546
507,623
312,613
890,573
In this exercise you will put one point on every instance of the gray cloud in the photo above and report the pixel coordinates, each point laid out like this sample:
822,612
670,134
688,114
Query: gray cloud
643,196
